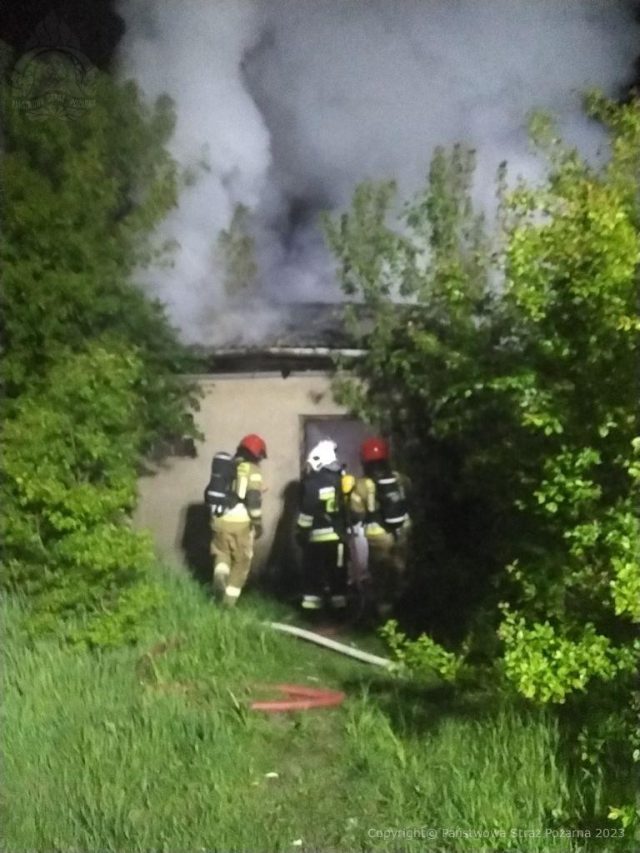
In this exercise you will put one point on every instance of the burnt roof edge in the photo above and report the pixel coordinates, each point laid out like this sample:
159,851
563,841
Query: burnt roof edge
283,359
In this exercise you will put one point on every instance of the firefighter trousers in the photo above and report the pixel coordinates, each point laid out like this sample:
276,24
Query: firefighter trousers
324,576
387,562
232,550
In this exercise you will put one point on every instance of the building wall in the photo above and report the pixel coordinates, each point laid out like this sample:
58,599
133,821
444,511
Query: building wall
170,504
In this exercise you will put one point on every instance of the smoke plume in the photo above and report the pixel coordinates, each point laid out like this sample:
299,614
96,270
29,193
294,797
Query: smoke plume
283,106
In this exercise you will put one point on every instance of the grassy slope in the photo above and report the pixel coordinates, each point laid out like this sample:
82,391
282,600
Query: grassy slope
154,748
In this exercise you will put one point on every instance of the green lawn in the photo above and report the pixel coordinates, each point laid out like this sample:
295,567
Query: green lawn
154,748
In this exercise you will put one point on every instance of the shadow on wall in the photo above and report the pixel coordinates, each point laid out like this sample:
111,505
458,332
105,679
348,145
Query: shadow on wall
195,541
281,574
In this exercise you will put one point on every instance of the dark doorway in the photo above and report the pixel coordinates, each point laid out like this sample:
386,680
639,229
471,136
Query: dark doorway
348,433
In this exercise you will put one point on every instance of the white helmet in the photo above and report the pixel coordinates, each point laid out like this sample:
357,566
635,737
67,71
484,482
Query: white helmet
322,455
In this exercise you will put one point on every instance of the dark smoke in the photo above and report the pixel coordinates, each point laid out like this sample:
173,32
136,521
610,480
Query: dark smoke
292,102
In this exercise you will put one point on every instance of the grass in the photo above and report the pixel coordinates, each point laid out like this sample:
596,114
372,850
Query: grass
154,748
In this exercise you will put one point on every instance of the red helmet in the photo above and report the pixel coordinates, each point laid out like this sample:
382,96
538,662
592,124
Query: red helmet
374,450
255,445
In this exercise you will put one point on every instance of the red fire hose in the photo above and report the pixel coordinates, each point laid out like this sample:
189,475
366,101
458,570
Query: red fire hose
302,699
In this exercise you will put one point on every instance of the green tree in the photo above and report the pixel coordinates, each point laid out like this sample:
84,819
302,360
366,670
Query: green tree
69,479
572,282
90,367
82,197
236,248
507,369
433,330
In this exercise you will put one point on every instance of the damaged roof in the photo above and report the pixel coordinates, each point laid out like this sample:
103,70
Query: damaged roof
311,324
309,337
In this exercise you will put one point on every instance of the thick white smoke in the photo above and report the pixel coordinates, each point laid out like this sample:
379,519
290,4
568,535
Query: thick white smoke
295,101
193,51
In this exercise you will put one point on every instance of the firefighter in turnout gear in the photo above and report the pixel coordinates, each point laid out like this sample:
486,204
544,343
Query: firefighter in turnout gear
240,522
378,499
321,532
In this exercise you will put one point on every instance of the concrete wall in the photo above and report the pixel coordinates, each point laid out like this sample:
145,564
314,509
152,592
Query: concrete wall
171,498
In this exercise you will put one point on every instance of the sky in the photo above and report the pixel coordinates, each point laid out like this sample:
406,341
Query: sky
283,106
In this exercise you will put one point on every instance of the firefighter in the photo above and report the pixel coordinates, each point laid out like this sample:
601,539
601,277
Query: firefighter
378,499
235,530
321,532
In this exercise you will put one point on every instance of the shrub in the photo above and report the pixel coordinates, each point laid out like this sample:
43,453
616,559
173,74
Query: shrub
68,483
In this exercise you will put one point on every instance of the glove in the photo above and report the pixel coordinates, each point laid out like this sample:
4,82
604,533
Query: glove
257,530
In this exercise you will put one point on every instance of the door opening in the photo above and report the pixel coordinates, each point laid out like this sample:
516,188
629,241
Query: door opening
348,433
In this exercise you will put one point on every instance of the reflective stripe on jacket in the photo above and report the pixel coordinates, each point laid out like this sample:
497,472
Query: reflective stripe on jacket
365,507
321,506
248,487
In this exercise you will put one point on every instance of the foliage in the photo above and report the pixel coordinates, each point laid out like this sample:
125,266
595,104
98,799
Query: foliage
91,367
236,248
572,282
547,666
420,656
81,198
66,491
433,332
506,368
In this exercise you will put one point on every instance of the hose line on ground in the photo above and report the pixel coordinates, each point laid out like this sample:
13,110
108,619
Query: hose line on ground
358,654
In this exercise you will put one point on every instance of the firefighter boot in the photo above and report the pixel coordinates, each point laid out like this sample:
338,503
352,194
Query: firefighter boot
220,579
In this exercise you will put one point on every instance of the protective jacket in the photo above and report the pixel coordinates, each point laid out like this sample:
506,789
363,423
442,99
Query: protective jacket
321,510
247,486
367,504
